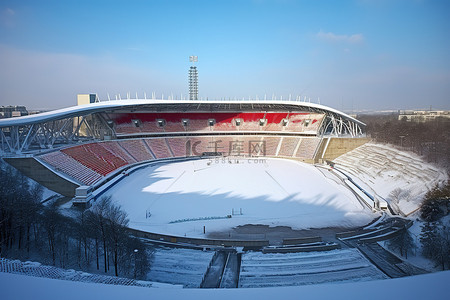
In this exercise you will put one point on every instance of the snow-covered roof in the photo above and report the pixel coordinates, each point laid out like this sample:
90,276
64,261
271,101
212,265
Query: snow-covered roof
172,105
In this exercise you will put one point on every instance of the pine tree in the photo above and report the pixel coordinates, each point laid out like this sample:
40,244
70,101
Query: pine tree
428,237
402,243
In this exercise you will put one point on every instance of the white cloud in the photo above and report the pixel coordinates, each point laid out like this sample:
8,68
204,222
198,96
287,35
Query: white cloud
332,37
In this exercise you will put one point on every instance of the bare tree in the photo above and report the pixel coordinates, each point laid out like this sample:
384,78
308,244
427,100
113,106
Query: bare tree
116,225
99,220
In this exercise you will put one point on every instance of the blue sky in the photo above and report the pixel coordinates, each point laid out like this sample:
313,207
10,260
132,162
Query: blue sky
352,55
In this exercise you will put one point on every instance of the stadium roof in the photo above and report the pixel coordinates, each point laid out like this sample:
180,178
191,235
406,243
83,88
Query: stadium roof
145,105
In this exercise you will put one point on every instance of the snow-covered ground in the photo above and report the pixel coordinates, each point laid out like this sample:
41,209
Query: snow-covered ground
303,268
179,266
381,169
36,269
429,286
182,197
414,255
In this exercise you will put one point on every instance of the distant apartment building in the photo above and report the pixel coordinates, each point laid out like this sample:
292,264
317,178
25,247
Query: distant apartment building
424,115
13,111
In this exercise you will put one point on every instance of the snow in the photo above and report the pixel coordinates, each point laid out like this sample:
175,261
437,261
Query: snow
303,268
203,192
429,286
179,266
380,169
415,257
38,270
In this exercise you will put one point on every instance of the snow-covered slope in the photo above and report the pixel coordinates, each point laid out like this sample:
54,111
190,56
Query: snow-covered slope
303,268
179,266
383,169
429,286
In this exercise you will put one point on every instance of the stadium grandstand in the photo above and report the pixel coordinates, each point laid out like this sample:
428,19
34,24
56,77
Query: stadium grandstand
87,145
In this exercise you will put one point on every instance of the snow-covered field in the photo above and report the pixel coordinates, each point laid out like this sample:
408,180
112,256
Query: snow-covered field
429,286
303,268
182,197
382,169
179,266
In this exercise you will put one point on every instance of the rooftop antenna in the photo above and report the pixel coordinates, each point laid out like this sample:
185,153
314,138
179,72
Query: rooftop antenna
109,99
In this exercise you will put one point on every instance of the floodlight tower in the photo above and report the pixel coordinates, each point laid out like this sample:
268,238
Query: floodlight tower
193,79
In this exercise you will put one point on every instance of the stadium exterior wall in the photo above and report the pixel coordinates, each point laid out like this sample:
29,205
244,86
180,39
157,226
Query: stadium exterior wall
33,169
334,147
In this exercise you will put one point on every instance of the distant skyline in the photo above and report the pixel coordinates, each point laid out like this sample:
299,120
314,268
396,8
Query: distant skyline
352,55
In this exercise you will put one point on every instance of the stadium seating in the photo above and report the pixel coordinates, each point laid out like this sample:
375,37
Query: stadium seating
151,126
127,128
95,157
88,163
114,147
248,121
137,149
178,146
174,127
159,147
288,146
271,144
307,148
66,164
198,125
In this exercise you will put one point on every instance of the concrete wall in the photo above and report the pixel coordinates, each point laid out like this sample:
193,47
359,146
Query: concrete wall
32,168
338,146
199,241
305,240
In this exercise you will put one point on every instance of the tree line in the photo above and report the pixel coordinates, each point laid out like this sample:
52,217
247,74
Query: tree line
91,239
429,139
435,235
435,231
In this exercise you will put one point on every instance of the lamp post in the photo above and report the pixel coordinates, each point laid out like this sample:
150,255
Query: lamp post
135,260
401,140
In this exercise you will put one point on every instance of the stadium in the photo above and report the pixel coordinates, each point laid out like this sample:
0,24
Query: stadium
225,177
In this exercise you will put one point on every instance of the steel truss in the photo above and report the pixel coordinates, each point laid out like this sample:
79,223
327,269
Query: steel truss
338,126
20,139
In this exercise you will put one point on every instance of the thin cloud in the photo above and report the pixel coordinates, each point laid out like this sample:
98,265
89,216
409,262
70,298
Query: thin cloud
332,37
7,17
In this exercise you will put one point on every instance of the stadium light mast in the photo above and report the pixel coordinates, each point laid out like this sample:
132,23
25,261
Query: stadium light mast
193,78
